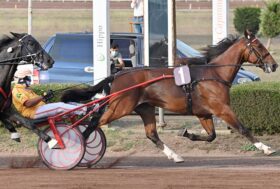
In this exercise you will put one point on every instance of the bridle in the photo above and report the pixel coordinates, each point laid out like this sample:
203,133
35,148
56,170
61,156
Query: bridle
260,58
29,58
29,53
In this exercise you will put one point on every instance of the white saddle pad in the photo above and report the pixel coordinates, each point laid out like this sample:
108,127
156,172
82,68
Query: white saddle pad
182,75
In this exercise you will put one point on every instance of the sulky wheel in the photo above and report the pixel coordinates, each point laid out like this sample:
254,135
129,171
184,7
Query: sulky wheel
67,158
95,147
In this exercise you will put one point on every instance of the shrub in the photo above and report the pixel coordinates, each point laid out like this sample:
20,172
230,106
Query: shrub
270,20
57,88
257,106
247,18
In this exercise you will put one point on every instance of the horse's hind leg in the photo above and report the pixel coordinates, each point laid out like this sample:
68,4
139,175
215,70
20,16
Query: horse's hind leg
229,116
208,125
147,114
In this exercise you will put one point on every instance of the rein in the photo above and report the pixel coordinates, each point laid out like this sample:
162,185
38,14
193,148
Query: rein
18,58
66,88
226,83
224,65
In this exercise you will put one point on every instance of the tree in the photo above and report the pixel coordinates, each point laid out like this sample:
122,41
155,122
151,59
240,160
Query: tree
247,18
270,20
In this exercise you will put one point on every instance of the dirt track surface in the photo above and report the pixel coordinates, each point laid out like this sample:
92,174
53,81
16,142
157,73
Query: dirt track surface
157,172
140,178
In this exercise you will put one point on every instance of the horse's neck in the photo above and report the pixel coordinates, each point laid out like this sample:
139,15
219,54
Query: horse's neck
7,71
230,61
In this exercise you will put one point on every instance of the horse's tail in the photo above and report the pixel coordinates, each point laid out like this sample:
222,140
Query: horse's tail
78,95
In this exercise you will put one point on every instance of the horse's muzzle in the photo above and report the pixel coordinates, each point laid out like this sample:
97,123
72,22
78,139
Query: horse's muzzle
46,63
274,67
268,68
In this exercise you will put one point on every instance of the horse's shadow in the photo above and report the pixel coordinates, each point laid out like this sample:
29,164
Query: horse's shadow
277,153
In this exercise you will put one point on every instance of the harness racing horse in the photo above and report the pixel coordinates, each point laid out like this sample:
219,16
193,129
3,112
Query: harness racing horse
159,53
15,50
209,91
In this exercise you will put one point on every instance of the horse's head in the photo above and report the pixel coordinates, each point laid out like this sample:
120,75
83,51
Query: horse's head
29,48
257,54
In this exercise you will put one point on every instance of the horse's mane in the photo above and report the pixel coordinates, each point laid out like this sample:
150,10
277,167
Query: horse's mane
212,51
5,40
209,53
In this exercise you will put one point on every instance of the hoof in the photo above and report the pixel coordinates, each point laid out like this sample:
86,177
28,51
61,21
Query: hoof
178,159
266,149
182,132
15,137
269,151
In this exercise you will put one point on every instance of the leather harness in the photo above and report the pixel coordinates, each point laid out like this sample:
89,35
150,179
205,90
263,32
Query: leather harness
188,89
6,98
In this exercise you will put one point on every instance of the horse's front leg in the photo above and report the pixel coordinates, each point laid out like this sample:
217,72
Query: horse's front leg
147,114
208,125
229,116
8,125
18,119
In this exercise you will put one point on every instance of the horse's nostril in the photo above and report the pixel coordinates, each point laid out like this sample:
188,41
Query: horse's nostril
275,66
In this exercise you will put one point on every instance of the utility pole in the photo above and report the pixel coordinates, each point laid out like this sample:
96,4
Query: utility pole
29,16
171,9
171,32
220,10
101,39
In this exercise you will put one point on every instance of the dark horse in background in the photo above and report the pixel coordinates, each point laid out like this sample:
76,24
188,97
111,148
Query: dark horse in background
20,48
159,53
209,91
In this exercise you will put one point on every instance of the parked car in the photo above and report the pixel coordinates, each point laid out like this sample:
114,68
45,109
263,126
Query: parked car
73,53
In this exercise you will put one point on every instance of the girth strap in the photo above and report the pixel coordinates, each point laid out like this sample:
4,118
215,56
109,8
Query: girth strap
189,88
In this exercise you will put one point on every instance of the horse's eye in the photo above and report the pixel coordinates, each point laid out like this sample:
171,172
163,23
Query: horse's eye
30,43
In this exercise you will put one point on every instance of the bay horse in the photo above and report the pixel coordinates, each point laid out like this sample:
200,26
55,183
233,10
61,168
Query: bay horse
209,91
15,50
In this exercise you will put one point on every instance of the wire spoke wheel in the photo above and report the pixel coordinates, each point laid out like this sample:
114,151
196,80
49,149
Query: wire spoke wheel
95,147
67,158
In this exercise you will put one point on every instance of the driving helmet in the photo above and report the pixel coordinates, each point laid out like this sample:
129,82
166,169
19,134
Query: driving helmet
23,76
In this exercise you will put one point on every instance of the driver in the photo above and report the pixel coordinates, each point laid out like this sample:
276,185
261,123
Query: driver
33,106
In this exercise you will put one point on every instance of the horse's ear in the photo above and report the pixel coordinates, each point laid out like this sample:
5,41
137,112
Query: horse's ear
16,35
249,35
